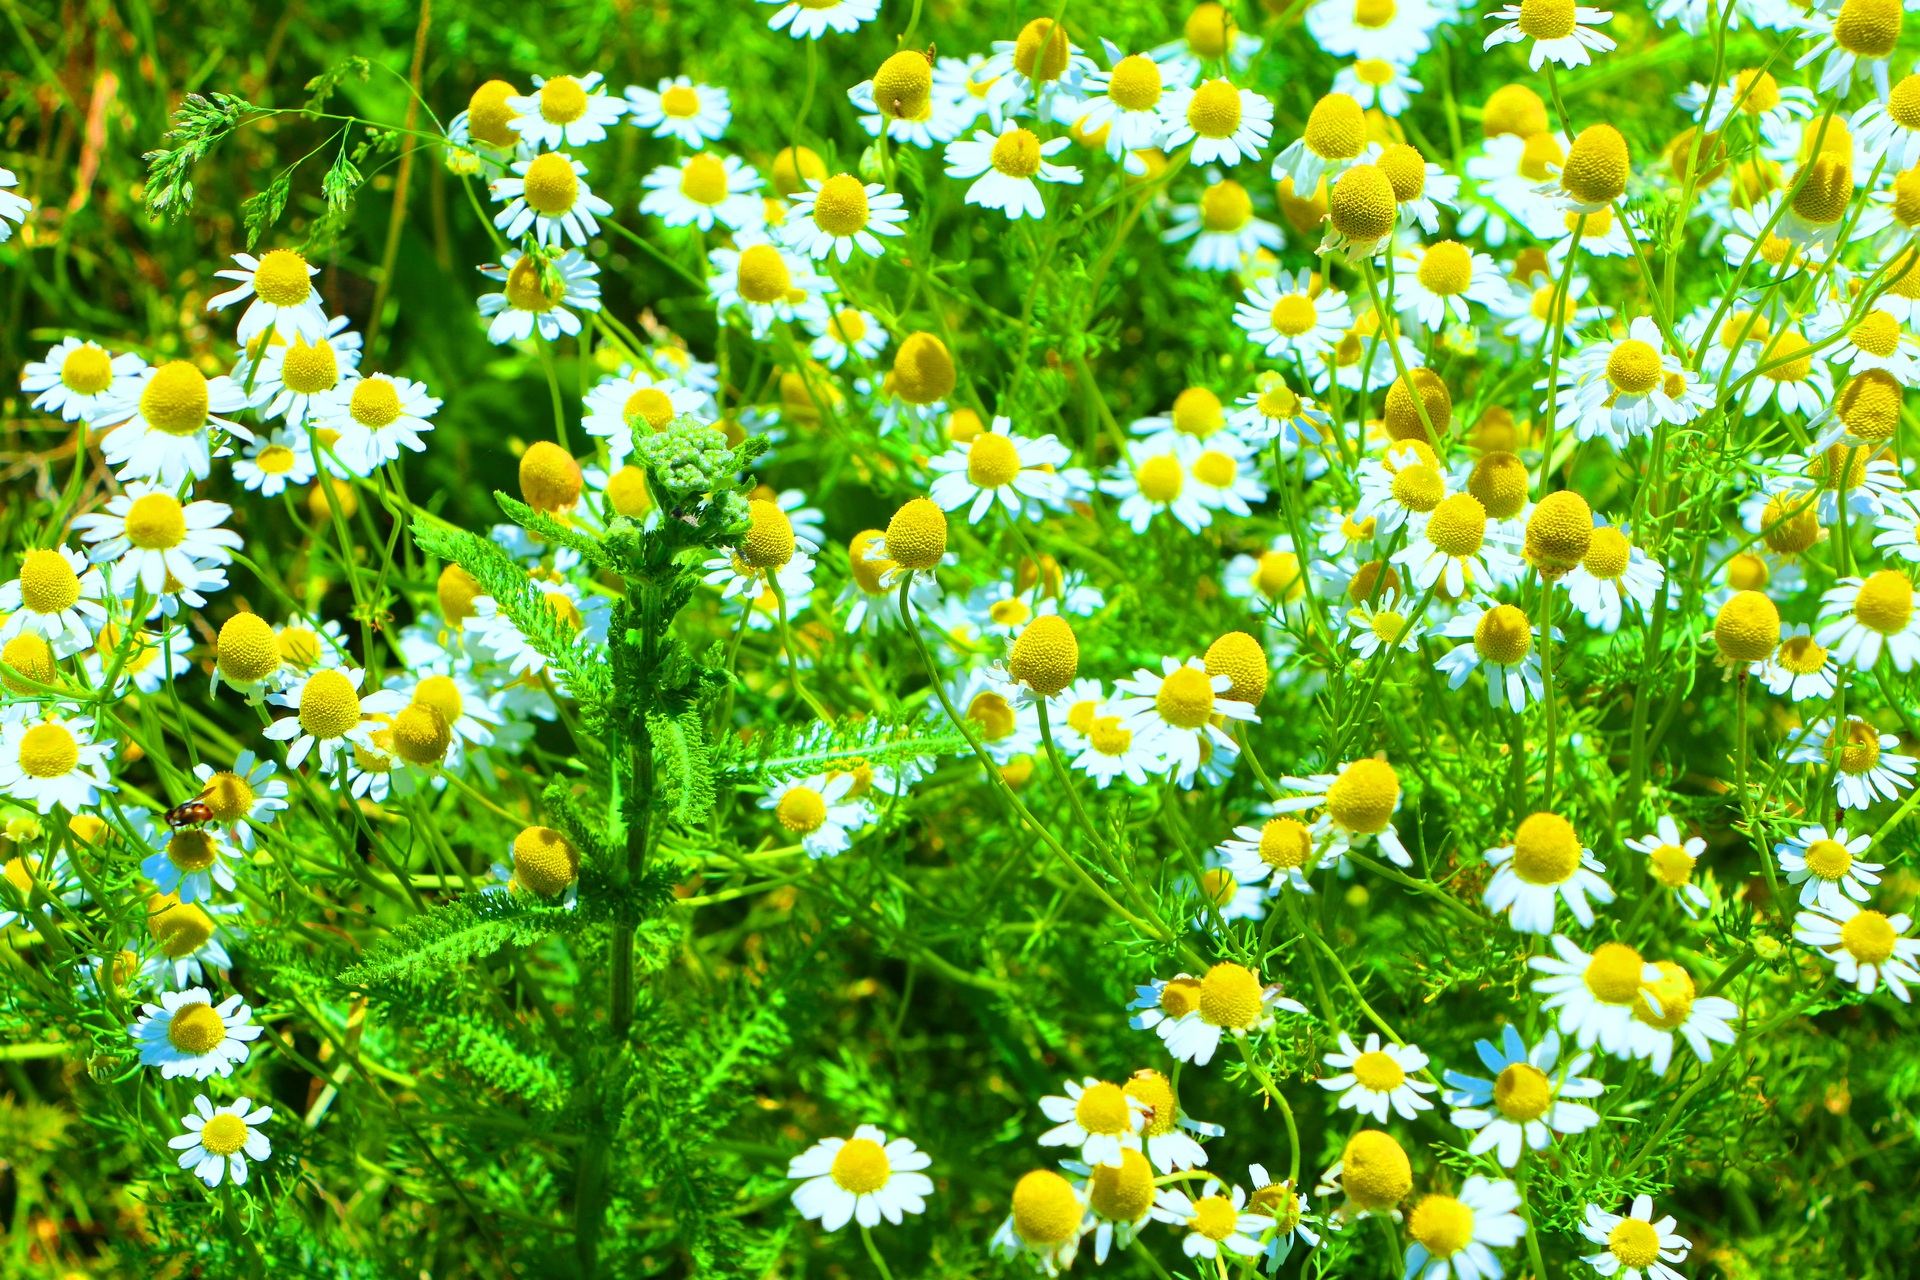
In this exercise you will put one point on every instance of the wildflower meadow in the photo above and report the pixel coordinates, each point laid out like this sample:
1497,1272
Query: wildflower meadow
919,638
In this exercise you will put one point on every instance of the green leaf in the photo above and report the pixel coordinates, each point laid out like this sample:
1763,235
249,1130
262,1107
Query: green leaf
683,767
552,530
428,947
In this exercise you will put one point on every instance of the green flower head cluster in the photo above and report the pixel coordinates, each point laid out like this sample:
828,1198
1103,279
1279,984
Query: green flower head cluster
688,457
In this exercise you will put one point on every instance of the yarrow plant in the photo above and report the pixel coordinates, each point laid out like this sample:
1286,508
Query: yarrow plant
839,637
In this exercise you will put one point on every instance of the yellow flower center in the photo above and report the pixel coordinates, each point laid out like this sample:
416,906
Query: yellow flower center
563,100
1546,850
848,326
861,1167
1375,71
1122,1192
1672,865
1758,91
1185,699
1017,153
1446,268
1135,85
223,1135
1230,996
545,861
488,113
1159,478
1522,1092
1634,1243
1868,28
375,403
1214,111
307,370
228,796
1336,128
1215,469
680,102
1214,1217
1443,1224
1796,352
1378,1072
191,850
180,928
763,275
1666,1002
1373,14
1828,859
1458,526
1538,153
1293,314
1278,576
1225,206
156,522
1103,1109
703,180
1613,974
282,279
48,583
1858,748
1634,367
329,705
87,370
840,207
1868,937
1800,655
1514,109
1878,333
1209,30
992,461
1885,602
1828,186
1110,736
1608,554
175,399
529,287
1362,799
1418,487
196,1029
1374,1170
1406,171
1285,844
551,184
1546,19
48,751
1041,51
1045,1210
994,714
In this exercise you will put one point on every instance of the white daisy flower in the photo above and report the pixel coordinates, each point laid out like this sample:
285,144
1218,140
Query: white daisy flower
162,421
1876,340
1225,124
1624,388
1876,614
1048,1217
1799,669
819,812
155,541
678,108
1357,803
77,378
536,294
1559,29
836,216
763,279
861,1179
1377,1076
188,861
376,417
1437,283
1545,863
1225,233
1007,169
280,282
1273,411
1898,528
1669,1007
1209,36
13,208
220,1140
1613,573
1099,1118
293,373
1125,103
1864,43
566,111
1637,1247
1287,1206
1112,750
54,761
1119,1199
1595,994
330,715
841,333
1217,1220
246,795
275,461
1195,1013
1526,1102
1867,947
57,596
1399,32
924,129
1671,859
1827,866
1373,625
1865,766
1449,546
1224,475
705,189
1151,481
1502,639
618,407
549,195
811,19
1453,1237
1176,709
186,1034
1377,82
1292,310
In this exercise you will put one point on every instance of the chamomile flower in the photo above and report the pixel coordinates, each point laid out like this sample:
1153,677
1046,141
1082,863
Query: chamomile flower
294,373
187,862
763,279
1888,128
1799,669
376,417
1502,640
1154,481
861,1179
537,292
1383,623
1111,749
1875,614
242,797
1827,866
1099,1118
1223,474
1527,1101
330,715
1670,1007
1671,860
189,940
155,541
1437,283
1531,304
280,282
1595,994
1357,803
1623,388
1637,1247
1546,863
1225,233
53,760
1866,768
841,333
1292,310
220,1140
696,114
998,466
1453,1237
77,378
1048,1218
1125,102
1229,1000
1377,82
549,195
1867,947
1008,168
705,189
811,19
166,416
1118,1196
1898,528
13,207
1210,35
1855,36
1560,31
57,596
565,111
1217,1220
1176,709
1335,138
1613,573
1287,1206
819,812
187,1034
273,462
1273,411
1877,340
837,215
636,402
1375,1077
1449,546
1168,1128
1225,124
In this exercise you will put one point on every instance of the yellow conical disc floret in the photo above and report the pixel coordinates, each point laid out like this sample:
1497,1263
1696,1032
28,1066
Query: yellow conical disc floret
1547,19
1375,1171
1041,51
1336,128
329,705
1045,1209
1240,658
1868,28
903,85
1869,405
627,492
1401,415
1231,996
1441,1224
176,399
32,657
48,583
1558,533
1361,205
1458,526
1791,523
793,167
456,591
1546,850
1122,1192
1885,602
181,928
1499,480
1406,169
1826,186
420,734
922,370
1747,628
1608,554
488,113
1514,109
1046,656
917,535
1364,795
1596,168
1503,635
550,479
545,861
768,542
246,650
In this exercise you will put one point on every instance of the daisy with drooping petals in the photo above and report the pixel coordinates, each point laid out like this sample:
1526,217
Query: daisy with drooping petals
1867,947
1217,1220
1448,546
1047,1219
536,292
1225,124
568,111
1876,613
1613,572
186,1034
1866,767
811,19
77,378
678,108
1377,1076
1282,847
220,1140
1595,994
1291,310
292,374
1273,411
1827,866
56,596
1501,639
1226,235
1099,1118
1377,82
1546,863
1119,1199
703,190
860,1179
1008,168
1358,805
1864,41
280,282
1453,1237
54,761
1637,1247
549,195
1288,1207
819,812
1176,709
765,280
1559,29
1799,669
840,214
1526,1101
165,417
1671,859
1624,388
